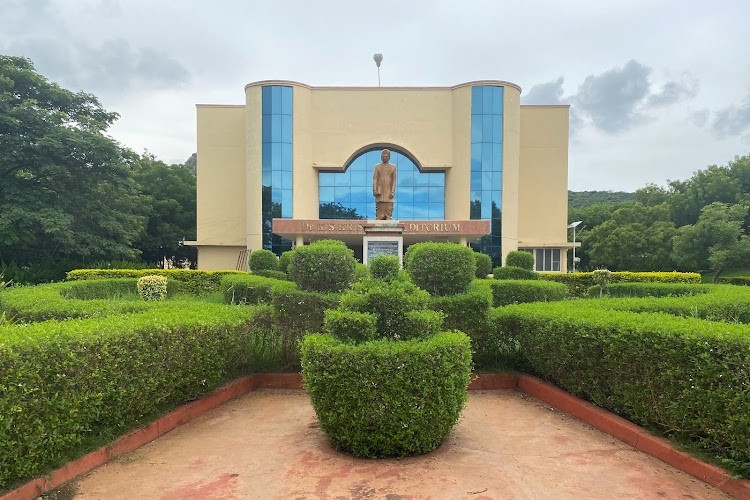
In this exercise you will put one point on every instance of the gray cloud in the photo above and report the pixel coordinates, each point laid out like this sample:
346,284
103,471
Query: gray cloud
545,93
673,92
732,120
699,118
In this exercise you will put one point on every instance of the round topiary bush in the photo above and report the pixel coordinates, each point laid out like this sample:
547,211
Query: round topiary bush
385,267
484,265
514,273
284,260
386,398
441,268
323,266
152,287
263,260
518,258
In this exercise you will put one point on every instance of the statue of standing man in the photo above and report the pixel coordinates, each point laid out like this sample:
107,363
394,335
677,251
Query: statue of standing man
384,187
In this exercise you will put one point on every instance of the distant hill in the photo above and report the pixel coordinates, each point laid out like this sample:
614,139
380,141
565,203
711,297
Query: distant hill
579,199
192,162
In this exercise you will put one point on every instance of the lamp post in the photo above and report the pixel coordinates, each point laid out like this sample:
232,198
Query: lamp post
574,225
378,58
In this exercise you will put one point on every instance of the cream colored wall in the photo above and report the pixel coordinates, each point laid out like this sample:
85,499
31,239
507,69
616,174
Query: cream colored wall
218,258
543,180
305,182
221,175
253,180
511,168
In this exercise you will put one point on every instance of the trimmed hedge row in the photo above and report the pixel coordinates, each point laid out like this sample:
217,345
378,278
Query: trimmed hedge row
688,378
506,292
735,280
649,290
70,386
402,398
514,273
251,289
579,283
193,282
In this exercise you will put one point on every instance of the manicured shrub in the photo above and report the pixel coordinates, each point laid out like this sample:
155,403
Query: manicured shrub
71,386
152,287
298,311
386,398
684,376
351,326
506,292
385,267
441,268
484,265
361,273
323,266
602,278
579,283
649,290
251,289
735,280
519,258
263,260
192,281
467,312
514,273
268,273
284,260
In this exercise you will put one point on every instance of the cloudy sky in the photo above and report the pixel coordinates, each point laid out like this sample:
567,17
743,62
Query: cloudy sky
658,89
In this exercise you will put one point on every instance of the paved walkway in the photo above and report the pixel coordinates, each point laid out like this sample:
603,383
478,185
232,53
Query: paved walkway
267,445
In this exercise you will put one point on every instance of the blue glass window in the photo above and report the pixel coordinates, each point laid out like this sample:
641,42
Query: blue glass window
419,195
277,161
487,166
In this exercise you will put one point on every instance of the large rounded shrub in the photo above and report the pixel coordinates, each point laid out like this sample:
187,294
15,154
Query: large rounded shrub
261,260
519,258
284,260
323,266
385,398
441,268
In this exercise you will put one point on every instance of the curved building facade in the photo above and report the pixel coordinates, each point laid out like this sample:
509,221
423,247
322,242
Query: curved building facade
470,152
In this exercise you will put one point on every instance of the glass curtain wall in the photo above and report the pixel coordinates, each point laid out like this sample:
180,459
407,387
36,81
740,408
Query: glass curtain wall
348,194
277,105
487,166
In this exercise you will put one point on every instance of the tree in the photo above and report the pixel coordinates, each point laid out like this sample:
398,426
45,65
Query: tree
65,190
635,238
592,217
169,198
715,241
335,210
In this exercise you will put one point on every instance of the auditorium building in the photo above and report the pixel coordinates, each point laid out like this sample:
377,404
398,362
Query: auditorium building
294,164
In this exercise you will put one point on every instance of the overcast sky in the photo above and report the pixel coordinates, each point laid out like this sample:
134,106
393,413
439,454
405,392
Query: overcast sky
658,89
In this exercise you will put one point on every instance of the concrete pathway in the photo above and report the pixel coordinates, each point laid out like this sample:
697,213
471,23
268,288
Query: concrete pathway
267,445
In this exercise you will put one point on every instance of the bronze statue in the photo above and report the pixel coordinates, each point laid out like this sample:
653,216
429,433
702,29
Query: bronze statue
384,187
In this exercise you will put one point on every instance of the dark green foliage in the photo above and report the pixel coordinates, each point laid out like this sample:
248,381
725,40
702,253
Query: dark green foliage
506,292
192,282
649,290
519,258
484,265
441,268
70,386
686,377
579,283
361,273
263,260
284,259
466,312
734,280
385,398
514,273
251,289
323,266
385,267
267,273
391,303
351,326
577,199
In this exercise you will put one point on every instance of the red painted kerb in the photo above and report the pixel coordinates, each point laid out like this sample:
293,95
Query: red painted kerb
596,417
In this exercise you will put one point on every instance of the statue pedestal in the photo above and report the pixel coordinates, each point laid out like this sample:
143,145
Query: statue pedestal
383,237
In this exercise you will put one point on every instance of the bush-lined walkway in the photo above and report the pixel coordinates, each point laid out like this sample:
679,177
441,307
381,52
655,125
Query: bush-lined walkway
267,445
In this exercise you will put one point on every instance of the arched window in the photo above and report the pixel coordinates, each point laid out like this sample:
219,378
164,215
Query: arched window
348,194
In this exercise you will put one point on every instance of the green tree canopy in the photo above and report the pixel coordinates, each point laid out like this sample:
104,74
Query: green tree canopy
66,191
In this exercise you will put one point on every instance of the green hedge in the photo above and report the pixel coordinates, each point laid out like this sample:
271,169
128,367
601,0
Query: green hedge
385,267
322,266
514,273
506,292
579,283
649,290
267,273
520,258
441,268
193,282
251,289
484,265
735,280
387,398
71,386
686,377
263,260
